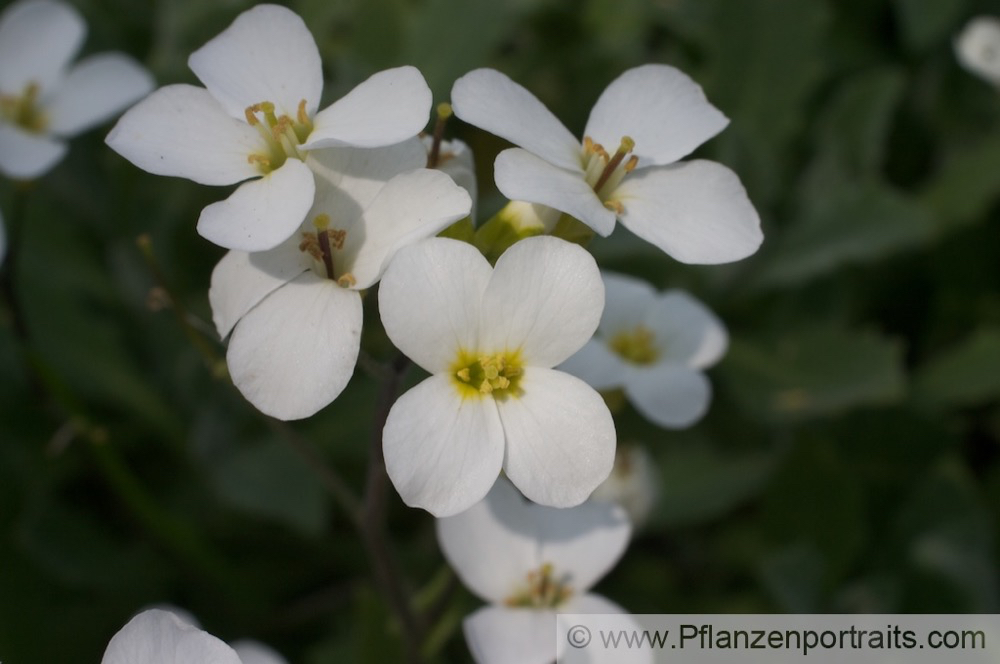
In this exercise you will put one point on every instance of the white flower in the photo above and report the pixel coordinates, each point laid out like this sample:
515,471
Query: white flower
489,337
697,211
654,346
978,48
633,483
257,121
295,311
44,100
156,636
530,562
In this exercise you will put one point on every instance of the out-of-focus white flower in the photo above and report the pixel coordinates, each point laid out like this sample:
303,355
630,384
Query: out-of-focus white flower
633,483
156,636
654,346
530,562
295,311
44,100
978,48
627,165
490,337
256,120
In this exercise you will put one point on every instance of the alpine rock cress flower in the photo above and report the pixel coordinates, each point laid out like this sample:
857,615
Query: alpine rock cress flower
43,98
293,313
256,122
489,337
627,166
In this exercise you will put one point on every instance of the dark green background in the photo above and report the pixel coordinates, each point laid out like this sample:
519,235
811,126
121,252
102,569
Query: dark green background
849,461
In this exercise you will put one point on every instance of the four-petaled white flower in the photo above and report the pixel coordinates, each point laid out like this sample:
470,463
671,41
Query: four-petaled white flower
654,346
978,48
295,311
489,337
634,483
257,121
530,562
627,165
156,636
43,100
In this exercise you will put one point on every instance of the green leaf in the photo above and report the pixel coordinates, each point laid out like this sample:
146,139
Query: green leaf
701,483
966,185
814,373
925,22
964,375
861,224
270,480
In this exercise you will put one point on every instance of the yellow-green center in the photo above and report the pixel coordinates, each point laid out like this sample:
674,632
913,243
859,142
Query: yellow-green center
542,590
23,110
604,171
637,346
281,133
497,375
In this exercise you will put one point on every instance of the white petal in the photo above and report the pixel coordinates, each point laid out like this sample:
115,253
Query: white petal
660,108
294,353
491,101
591,603
160,637
442,452
25,156
686,330
493,545
267,54
627,302
584,542
560,438
544,299
96,89
596,365
181,130
252,652
455,158
502,635
698,212
978,47
521,176
671,396
38,39
391,106
262,213
429,300
411,207
348,179
241,280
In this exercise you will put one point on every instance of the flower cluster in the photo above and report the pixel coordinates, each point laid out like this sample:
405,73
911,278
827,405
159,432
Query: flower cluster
513,321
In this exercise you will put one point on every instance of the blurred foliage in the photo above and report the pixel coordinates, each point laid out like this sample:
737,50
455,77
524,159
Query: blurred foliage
849,461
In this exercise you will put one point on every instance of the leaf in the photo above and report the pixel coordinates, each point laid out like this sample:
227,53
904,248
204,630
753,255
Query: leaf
270,480
701,483
814,373
964,375
862,224
966,185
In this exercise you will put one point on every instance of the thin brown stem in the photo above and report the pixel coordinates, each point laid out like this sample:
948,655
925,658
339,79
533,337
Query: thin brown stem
387,574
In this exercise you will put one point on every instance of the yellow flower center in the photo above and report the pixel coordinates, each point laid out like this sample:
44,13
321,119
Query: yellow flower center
23,110
542,590
637,345
282,134
320,244
481,375
604,172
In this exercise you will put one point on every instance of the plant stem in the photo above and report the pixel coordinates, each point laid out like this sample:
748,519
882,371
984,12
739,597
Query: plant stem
387,575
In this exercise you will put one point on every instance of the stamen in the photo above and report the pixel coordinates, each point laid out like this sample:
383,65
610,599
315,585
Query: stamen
443,113
323,238
615,206
347,280
624,148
